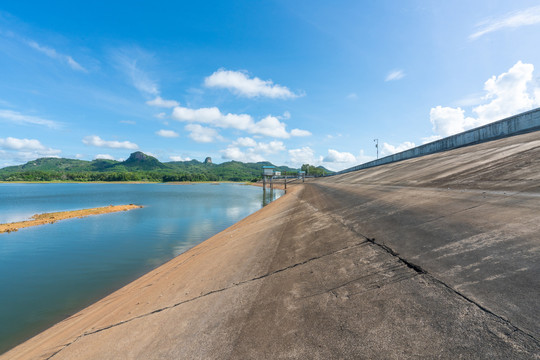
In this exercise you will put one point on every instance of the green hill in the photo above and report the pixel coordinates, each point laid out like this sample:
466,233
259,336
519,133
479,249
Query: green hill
138,167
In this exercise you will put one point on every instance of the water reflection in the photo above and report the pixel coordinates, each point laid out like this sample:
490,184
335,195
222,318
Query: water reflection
270,195
57,269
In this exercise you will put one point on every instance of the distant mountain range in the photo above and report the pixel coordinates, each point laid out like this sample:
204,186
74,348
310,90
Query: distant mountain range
138,167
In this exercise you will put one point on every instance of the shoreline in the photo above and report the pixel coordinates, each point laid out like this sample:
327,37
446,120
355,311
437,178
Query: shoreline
128,182
143,294
51,218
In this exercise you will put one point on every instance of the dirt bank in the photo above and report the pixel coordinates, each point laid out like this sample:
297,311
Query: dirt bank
50,218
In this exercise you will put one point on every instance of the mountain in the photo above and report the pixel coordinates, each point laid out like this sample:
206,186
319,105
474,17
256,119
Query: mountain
140,161
138,167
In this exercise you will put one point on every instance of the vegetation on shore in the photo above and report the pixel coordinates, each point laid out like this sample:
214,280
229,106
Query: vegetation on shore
139,167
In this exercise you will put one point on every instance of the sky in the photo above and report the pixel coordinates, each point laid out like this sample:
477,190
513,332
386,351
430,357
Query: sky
291,82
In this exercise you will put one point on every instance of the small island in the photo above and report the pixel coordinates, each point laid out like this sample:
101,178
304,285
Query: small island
50,218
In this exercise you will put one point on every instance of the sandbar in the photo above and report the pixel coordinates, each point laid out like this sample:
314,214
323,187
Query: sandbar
50,218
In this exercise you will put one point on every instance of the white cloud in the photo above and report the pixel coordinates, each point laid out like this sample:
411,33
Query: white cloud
269,126
159,102
160,115
21,144
179,158
352,96
271,147
20,150
236,121
239,83
508,94
515,19
202,115
298,132
248,150
202,134
167,133
447,121
245,141
94,140
18,118
388,149
394,75
213,117
339,157
286,115
235,153
301,156
104,157
52,53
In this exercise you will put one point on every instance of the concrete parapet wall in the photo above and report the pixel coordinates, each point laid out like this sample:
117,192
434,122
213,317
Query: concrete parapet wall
518,124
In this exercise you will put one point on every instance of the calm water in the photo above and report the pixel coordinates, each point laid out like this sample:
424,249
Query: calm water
49,272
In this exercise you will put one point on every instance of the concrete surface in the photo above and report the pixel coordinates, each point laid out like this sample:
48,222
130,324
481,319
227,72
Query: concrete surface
432,257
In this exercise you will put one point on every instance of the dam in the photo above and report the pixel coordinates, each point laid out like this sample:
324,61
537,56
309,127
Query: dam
433,256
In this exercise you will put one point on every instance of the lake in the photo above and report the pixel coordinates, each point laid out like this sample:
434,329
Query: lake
49,272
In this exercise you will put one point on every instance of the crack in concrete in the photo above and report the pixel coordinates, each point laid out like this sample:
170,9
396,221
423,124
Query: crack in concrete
207,294
420,270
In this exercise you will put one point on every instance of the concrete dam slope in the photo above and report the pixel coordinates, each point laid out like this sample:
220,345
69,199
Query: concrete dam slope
431,257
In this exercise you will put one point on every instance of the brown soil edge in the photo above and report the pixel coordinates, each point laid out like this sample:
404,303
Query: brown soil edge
276,185
50,218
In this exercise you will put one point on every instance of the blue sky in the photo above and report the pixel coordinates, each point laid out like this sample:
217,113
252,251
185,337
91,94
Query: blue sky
290,82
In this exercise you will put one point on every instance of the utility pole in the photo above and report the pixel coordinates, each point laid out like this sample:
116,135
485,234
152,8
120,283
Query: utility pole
377,146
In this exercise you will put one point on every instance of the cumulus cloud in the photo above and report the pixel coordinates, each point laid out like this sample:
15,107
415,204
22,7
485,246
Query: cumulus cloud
269,126
159,102
52,53
94,140
20,150
515,19
299,133
388,149
448,121
104,157
202,134
304,155
179,158
248,150
21,144
167,133
394,75
339,157
507,94
245,141
241,84
18,118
